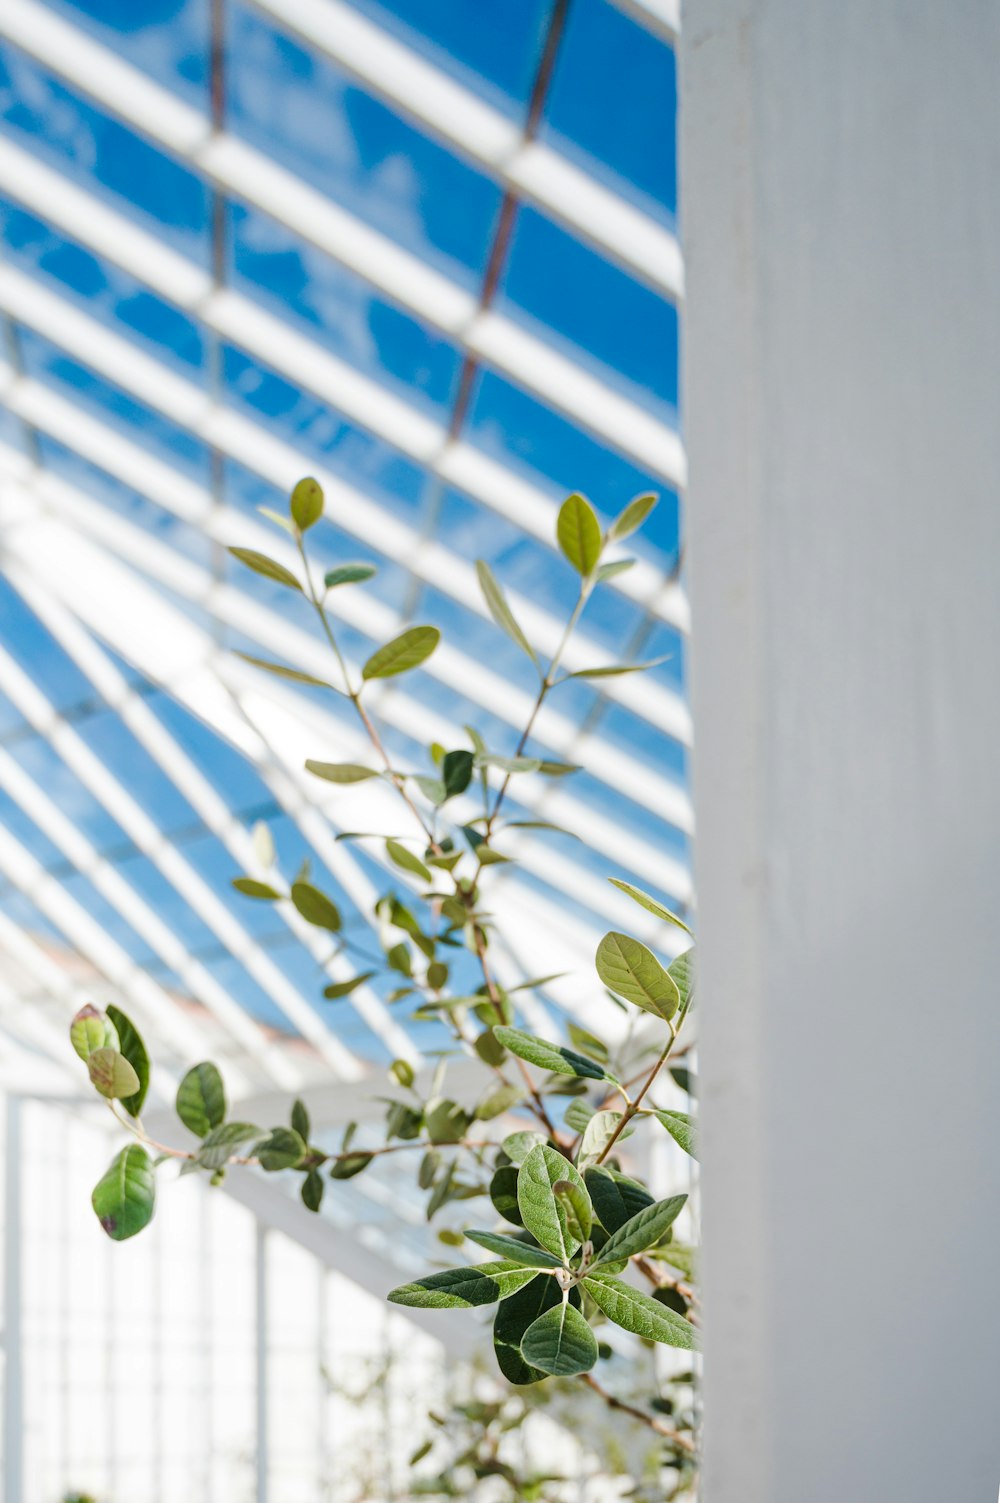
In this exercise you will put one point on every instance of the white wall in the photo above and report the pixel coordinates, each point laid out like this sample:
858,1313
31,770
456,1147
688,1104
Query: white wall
841,164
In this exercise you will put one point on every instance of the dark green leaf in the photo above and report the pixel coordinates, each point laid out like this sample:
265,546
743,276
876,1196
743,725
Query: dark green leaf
552,769
456,770
579,533
681,1128
460,1288
633,516
447,1122
251,888
578,1114
404,652
627,967
131,1045
306,503
643,1230
616,1197
554,1057
92,1029
315,907
347,1168
514,1250
349,574
340,772
125,1196
343,988
300,1119
219,1145
269,567
541,1212
402,1072
513,1318
498,608
560,1342
283,1148
312,1190
406,860
650,904
503,1193
111,1074
637,1313
201,1099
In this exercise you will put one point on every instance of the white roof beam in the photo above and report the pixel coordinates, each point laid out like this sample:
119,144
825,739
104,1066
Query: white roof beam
294,355
529,169
238,168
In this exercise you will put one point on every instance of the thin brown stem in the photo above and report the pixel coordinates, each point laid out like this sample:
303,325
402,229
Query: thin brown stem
681,1441
634,1106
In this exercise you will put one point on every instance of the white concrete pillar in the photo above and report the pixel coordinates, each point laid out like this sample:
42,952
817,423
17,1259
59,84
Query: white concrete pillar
841,169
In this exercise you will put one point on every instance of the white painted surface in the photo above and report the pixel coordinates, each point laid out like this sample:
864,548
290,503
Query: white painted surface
842,214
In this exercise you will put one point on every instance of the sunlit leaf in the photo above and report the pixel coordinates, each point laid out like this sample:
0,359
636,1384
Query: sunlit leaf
574,1202
404,652
125,1195
598,1134
644,1229
554,1057
251,888
111,1074
560,1342
579,533
631,970
632,517
269,567
650,904
612,670
636,1312
496,604
92,1029
406,860
315,907
513,1249
280,671
340,772
518,1145
306,503
682,1128
462,1288
540,1209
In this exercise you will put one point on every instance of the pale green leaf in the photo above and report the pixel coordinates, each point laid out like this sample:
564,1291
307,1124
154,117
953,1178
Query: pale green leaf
541,1212
124,1197
280,671
92,1029
306,504
219,1145
632,971
518,1145
269,567
650,904
461,1288
340,772
404,652
613,669
682,1128
554,1057
499,1101
560,1342
636,1312
597,1135
574,1202
263,843
501,612
579,533
682,970
111,1074
406,860
632,517
514,1250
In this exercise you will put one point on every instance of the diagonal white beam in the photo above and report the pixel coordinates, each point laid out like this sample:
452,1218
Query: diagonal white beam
529,169
211,808
280,465
51,556
661,17
358,608
235,167
294,355
137,825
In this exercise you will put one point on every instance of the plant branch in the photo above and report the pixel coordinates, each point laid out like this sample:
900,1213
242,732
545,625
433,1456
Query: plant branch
681,1441
634,1106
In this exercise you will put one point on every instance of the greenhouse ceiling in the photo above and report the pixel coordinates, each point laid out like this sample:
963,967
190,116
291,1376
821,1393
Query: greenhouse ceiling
433,265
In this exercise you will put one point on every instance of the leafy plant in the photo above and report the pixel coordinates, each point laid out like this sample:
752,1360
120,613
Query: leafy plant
578,1230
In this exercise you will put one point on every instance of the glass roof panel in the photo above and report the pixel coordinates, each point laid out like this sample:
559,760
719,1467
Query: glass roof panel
168,39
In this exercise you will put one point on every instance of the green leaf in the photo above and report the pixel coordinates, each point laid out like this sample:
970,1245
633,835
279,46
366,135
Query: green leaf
406,860
306,503
461,1288
402,1072
349,574
637,1313
643,1230
628,968
682,971
514,1250
285,523
404,652
348,1167
496,604
682,1128
499,1101
552,769
251,888
560,1342
579,533
344,988
632,517
518,1145
598,1134
315,907
280,671
650,904
446,1121
111,1074
587,1043
92,1029
541,1212
554,1057
269,567
509,764
125,1196
300,1119
131,1045
312,1190
578,1114
503,1193
456,771
201,1099
613,669
283,1148
340,772
513,1318
574,1202
612,570
616,1197
219,1145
